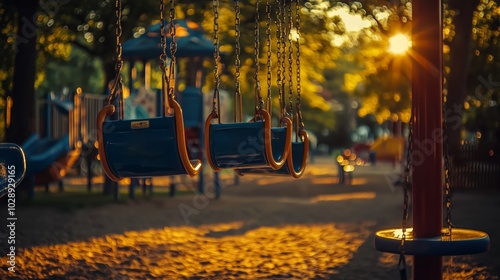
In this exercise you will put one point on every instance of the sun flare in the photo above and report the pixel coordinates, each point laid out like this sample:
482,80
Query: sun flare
399,44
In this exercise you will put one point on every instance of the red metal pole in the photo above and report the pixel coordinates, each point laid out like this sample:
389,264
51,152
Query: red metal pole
427,138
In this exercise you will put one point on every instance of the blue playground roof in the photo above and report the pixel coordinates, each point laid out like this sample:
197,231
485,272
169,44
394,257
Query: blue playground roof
190,38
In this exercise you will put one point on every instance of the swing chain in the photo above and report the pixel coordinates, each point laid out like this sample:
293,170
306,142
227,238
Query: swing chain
447,179
268,45
259,102
163,59
238,114
300,122
290,59
279,39
406,189
407,180
402,267
173,49
119,32
283,56
216,98
163,41
117,83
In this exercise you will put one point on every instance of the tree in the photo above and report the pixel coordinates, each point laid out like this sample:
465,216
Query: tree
23,91
50,27
481,105
459,65
93,25
357,56
386,82
470,48
7,43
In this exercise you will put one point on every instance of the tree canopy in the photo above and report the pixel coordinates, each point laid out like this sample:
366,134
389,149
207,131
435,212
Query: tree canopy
345,61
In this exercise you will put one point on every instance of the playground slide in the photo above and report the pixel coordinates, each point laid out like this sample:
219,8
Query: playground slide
12,167
42,153
47,161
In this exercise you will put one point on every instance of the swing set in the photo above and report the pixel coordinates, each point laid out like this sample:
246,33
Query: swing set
157,146
151,147
298,149
255,147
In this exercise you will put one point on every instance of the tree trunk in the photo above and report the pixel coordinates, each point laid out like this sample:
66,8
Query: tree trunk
23,92
460,54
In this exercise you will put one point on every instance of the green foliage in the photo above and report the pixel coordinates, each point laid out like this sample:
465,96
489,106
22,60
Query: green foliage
482,105
343,51
80,70
7,41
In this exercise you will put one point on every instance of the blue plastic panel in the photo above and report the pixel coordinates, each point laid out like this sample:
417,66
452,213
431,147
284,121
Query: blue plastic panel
297,156
142,148
191,101
462,242
42,152
241,145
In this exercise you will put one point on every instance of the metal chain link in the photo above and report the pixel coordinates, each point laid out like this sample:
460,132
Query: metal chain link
163,59
268,46
407,180
163,40
216,100
284,53
172,30
279,39
446,155
116,86
118,33
238,110
290,59
259,102
447,179
406,189
300,122
173,49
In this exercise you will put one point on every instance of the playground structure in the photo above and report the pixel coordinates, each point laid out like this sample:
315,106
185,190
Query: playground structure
125,157
113,148
55,146
60,147
66,132
91,104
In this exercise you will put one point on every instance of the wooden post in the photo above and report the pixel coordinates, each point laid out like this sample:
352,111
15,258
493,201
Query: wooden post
427,138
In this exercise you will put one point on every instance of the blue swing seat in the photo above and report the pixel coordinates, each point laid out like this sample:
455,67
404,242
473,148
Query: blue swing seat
246,145
295,164
461,242
144,148
12,166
